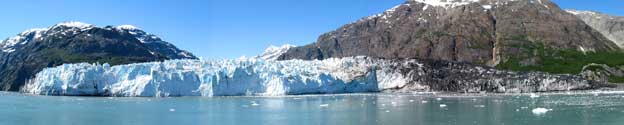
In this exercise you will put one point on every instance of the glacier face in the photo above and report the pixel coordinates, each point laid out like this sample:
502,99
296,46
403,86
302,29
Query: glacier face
208,78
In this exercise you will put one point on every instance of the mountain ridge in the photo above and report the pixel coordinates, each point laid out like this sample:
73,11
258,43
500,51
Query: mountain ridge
477,31
73,42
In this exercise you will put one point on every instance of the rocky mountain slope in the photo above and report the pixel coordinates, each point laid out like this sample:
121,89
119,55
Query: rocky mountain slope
610,26
613,28
487,32
291,77
22,56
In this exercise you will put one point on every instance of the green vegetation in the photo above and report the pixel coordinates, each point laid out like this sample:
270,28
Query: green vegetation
568,61
616,79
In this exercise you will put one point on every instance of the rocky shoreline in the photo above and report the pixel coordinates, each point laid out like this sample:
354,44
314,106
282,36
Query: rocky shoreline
433,75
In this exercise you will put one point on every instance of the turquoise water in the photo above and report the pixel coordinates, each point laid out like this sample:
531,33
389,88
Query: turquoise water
358,109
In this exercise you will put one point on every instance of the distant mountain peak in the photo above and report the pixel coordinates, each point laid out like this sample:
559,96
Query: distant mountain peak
273,52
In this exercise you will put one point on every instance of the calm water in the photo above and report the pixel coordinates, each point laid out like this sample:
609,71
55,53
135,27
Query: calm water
567,109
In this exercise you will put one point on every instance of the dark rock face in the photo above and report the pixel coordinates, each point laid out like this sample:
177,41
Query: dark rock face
611,27
436,75
73,42
485,32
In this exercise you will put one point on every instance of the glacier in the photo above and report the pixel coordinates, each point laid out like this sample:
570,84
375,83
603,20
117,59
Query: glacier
208,78
259,77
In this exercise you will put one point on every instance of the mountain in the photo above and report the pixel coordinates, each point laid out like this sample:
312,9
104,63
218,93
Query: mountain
290,77
24,55
509,34
274,52
610,26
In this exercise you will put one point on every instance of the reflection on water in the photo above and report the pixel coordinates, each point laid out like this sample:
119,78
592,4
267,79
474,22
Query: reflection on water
587,108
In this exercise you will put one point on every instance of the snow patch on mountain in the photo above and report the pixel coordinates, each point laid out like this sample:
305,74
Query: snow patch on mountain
487,4
447,3
9,44
577,12
385,17
75,24
274,52
127,27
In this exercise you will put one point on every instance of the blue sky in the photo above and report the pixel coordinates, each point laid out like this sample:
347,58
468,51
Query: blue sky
220,28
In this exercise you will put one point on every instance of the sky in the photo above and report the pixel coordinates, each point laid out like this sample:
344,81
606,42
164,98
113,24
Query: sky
216,29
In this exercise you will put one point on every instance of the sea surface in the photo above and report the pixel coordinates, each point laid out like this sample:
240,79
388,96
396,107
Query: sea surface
580,108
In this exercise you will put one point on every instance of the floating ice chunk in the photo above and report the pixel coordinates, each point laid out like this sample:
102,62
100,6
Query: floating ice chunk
423,101
439,99
253,103
479,106
172,110
442,105
411,100
540,111
324,105
533,95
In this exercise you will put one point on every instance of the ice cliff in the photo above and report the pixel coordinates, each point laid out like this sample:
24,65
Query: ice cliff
207,78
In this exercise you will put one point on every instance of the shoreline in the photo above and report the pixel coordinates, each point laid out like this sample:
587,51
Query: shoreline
618,90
